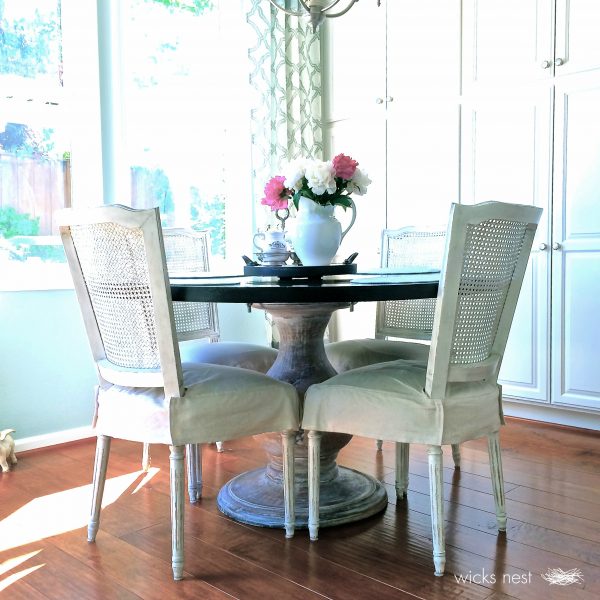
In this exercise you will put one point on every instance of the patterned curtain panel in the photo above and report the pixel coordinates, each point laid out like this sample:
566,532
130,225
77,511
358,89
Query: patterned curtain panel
286,75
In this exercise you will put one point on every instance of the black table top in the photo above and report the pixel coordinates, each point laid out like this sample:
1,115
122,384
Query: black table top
363,287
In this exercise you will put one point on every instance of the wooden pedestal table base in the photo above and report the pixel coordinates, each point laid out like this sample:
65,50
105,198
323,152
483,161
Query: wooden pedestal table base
256,497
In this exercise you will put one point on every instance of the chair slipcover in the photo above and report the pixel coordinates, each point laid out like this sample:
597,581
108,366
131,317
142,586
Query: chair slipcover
117,260
408,247
188,253
455,396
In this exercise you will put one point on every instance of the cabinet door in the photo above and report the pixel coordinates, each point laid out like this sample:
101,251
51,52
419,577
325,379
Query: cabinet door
423,110
506,43
363,138
355,63
355,118
423,48
577,36
422,161
576,234
506,157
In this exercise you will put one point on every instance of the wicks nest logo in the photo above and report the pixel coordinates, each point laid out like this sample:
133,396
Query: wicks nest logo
551,576
560,577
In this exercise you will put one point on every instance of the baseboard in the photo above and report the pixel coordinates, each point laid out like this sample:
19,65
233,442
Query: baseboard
53,438
551,414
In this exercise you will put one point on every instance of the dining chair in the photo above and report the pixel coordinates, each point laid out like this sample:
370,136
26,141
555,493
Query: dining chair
117,261
455,396
197,327
409,322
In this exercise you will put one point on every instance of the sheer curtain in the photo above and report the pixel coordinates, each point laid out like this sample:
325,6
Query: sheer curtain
286,79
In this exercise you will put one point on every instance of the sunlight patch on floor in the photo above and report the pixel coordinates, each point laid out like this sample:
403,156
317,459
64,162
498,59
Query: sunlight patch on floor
11,563
19,575
63,511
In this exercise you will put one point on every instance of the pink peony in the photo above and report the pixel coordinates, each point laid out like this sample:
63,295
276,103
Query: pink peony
344,166
276,194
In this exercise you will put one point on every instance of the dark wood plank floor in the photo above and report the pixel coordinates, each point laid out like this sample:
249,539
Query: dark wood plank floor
552,479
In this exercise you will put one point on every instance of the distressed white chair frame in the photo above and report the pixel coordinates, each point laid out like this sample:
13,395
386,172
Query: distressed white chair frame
487,250
147,357
408,247
188,252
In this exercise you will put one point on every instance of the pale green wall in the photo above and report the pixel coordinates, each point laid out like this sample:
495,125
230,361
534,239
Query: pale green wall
46,371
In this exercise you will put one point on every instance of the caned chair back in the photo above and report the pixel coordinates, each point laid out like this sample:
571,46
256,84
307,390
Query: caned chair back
117,261
487,250
188,252
409,247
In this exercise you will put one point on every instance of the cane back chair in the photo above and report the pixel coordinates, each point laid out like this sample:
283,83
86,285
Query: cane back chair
197,326
408,322
455,396
117,261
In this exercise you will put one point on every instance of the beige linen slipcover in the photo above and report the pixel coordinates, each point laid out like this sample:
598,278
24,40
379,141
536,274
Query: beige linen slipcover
388,400
255,403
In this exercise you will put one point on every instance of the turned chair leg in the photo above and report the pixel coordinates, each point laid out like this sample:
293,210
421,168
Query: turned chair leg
146,460
497,479
100,465
456,455
288,439
436,495
314,476
194,471
177,491
402,455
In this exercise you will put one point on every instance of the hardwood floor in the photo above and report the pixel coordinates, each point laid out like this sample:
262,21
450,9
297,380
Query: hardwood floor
552,479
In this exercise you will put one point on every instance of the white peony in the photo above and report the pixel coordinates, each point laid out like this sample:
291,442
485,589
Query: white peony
320,177
294,173
359,183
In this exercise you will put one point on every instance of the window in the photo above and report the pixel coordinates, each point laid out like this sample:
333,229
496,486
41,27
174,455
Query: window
39,112
182,132
35,169
185,124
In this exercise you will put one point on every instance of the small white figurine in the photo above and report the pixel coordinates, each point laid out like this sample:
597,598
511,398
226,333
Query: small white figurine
7,449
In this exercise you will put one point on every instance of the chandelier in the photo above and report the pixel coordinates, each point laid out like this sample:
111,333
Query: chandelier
316,10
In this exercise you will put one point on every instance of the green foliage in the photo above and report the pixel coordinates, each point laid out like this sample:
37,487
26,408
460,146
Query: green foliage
30,47
196,7
14,223
156,185
19,139
209,213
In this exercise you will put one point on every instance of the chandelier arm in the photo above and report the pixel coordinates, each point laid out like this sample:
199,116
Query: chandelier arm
292,13
342,12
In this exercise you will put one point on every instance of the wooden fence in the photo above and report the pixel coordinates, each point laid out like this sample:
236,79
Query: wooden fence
36,187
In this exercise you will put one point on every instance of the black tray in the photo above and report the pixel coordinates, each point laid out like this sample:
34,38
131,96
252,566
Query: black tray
299,271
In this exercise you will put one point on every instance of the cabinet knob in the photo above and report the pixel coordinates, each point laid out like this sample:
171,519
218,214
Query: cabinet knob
389,98
545,64
378,100
556,246
559,61
543,246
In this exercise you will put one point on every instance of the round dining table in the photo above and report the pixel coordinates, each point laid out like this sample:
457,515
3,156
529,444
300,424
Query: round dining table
300,309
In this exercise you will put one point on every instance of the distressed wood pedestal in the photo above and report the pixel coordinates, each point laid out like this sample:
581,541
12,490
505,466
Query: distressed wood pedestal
256,497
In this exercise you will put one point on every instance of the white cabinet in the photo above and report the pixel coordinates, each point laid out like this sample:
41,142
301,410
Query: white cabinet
531,133
442,101
394,106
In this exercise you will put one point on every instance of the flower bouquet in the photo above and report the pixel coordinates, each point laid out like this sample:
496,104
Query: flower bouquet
324,182
314,188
